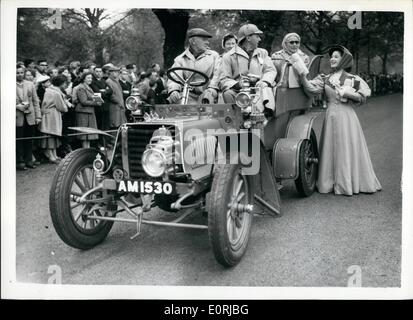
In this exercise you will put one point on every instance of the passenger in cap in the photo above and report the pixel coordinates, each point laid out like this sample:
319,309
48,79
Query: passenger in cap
246,58
197,56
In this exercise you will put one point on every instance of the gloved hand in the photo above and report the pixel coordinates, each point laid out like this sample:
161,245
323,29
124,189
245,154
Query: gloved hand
299,65
345,91
175,97
349,92
20,107
209,96
261,84
211,91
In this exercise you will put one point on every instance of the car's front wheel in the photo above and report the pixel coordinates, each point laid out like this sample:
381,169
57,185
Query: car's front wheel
230,214
72,219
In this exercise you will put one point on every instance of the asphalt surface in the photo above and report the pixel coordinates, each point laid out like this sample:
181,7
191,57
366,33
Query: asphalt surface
312,244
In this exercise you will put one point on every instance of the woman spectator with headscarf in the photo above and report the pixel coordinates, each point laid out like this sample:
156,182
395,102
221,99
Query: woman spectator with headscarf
85,108
52,108
43,82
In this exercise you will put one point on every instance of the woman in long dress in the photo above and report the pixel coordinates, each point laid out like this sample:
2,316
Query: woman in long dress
345,166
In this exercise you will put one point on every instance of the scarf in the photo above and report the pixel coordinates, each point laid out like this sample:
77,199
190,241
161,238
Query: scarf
288,38
346,61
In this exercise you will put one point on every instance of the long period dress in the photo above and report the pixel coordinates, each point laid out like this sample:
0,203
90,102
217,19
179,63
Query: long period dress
345,166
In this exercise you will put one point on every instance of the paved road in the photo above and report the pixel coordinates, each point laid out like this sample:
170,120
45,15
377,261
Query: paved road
313,244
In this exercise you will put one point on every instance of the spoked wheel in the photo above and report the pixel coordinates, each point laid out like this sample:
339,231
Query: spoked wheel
71,218
230,215
308,166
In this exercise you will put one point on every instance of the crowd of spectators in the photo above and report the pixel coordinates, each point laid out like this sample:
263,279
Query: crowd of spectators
381,84
51,99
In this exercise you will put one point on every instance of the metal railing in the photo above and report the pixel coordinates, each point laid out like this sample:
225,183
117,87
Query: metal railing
63,136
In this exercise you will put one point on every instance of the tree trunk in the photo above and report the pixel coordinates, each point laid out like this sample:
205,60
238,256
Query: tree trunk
99,53
175,25
368,55
384,65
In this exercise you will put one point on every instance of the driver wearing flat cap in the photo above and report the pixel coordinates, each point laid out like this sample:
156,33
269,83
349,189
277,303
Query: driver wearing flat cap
244,59
197,56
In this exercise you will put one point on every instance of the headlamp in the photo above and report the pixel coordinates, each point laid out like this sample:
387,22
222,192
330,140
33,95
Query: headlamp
154,162
133,103
243,100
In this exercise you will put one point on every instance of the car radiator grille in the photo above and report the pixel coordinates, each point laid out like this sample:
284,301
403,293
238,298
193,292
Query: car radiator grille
138,138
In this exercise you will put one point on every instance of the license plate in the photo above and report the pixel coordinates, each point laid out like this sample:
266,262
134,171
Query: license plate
146,187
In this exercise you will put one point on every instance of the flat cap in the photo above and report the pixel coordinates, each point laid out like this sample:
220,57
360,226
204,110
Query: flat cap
247,30
110,67
42,78
198,32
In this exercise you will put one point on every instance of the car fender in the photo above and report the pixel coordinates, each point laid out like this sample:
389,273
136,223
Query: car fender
300,126
286,152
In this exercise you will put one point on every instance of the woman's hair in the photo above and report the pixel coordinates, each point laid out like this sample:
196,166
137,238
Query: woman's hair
228,36
84,75
61,69
332,50
74,65
27,62
31,71
59,80
346,62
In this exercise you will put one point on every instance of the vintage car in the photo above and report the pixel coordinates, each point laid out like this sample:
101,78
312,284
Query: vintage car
225,161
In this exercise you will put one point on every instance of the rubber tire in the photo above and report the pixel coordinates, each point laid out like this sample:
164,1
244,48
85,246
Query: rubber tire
59,203
304,188
217,219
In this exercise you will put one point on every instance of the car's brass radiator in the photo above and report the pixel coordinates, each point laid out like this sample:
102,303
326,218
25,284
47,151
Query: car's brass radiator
137,139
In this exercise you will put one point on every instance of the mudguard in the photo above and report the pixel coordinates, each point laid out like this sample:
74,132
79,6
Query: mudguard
266,192
300,126
286,150
286,153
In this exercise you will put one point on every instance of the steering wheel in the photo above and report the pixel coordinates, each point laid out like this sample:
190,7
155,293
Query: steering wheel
176,77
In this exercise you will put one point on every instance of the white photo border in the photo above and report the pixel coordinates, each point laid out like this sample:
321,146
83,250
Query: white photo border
15,290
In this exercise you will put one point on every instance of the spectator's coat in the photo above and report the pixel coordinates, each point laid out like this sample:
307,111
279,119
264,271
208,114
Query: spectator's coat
116,104
27,93
52,108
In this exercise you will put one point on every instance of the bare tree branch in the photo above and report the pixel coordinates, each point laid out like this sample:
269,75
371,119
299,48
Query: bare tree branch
128,14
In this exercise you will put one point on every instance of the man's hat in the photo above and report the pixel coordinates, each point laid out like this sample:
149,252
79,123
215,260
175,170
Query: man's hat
110,67
248,30
198,32
42,78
